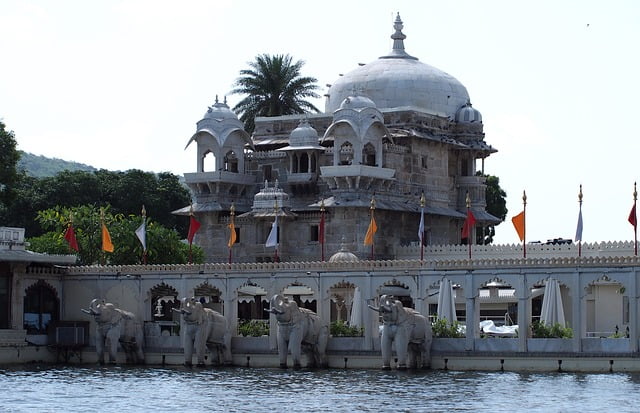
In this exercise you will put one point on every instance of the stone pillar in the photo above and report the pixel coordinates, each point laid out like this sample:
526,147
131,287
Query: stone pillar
369,317
524,313
472,320
579,306
633,311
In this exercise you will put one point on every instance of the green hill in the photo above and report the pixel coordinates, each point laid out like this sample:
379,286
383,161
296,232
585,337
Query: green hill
41,166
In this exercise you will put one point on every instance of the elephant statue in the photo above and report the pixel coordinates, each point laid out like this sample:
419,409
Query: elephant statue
204,328
409,330
298,327
116,326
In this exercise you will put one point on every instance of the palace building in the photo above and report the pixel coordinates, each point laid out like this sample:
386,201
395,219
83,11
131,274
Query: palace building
392,130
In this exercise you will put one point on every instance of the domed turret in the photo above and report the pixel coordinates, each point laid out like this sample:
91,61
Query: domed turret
220,111
468,114
357,102
400,80
344,255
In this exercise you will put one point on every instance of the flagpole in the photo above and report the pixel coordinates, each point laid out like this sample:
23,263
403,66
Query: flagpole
469,234
104,255
580,214
422,203
524,227
190,215
635,224
372,209
321,229
232,228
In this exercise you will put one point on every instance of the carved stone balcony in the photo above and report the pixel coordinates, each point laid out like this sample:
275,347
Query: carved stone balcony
357,177
218,182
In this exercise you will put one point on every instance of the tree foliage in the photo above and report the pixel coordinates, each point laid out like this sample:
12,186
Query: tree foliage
123,192
9,157
164,245
273,87
496,199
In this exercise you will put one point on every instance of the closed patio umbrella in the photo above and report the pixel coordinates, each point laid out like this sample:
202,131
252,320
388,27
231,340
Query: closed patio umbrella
446,302
552,309
356,309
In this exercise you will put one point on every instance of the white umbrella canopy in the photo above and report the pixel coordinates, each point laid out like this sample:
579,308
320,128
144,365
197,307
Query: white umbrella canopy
446,302
356,309
552,309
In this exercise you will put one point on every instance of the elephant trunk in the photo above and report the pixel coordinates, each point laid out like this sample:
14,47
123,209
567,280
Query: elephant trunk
90,311
276,311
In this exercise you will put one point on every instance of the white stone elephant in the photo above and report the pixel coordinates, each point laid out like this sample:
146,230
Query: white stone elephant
408,330
115,326
298,327
204,328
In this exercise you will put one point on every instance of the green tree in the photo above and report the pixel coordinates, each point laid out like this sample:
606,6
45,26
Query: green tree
9,157
496,199
164,245
273,87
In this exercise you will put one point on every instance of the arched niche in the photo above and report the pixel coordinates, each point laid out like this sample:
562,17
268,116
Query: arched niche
303,295
498,302
163,299
208,162
369,155
606,307
398,290
537,294
433,293
41,307
345,154
231,162
253,303
341,301
209,296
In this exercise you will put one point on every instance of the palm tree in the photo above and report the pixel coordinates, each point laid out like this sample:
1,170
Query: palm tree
273,87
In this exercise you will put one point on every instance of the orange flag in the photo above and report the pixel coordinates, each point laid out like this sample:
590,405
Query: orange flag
107,245
519,224
368,239
232,234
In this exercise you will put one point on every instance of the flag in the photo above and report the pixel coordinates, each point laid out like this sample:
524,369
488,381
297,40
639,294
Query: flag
141,233
469,223
321,229
368,239
70,236
579,228
194,226
272,239
232,234
633,219
107,245
421,227
519,224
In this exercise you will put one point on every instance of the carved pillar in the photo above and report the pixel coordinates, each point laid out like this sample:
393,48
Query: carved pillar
633,311
579,306
369,317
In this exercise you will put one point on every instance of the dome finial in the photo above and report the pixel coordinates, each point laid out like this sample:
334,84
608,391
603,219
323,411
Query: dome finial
216,98
398,42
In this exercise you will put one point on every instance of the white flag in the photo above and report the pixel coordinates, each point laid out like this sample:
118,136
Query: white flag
141,233
421,227
272,240
579,228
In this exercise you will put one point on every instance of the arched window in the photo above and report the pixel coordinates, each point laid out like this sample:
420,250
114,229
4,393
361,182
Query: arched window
346,153
231,162
294,164
164,299
369,154
304,163
41,306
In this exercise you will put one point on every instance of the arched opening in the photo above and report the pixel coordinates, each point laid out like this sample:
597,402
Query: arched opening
369,155
607,308
294,163
302,295
498,308
253,310
231,162
399,291
209,296
346,154
164,299
314,163
41,307
304,163
208,162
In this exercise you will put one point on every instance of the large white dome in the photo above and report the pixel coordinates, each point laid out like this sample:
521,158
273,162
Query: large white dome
400,80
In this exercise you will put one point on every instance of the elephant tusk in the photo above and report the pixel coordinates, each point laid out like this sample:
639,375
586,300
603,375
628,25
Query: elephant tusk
276,311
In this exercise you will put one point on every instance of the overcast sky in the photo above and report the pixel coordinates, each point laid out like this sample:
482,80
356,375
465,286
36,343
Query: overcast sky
121,84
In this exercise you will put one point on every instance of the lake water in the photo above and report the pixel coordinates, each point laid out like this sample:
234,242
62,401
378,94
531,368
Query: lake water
176,389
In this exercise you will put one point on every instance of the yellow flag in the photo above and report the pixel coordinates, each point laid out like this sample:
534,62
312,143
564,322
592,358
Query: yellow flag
106,239
232,234
368,239
519,224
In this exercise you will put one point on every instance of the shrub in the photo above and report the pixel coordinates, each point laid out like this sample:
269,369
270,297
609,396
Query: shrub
444,329
541,330
341,329
253,328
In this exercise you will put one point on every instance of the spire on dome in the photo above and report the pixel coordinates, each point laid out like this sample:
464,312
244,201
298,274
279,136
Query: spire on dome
398,42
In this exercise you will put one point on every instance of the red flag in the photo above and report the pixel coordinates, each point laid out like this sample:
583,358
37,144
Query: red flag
321,229
194,226
469,223
633,219
70,236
